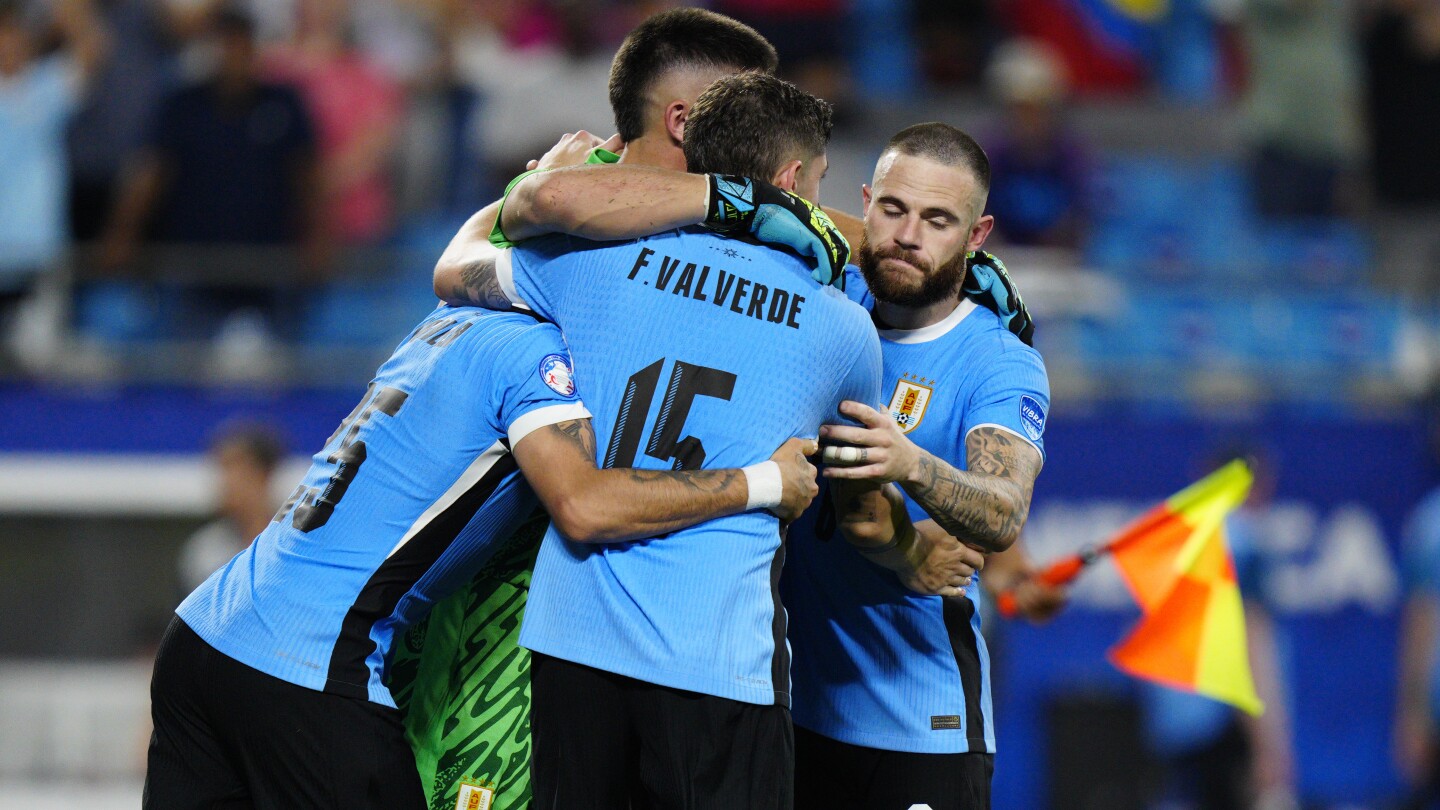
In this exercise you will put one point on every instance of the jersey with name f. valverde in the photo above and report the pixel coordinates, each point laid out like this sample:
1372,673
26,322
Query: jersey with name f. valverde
697,352
405,502
876,664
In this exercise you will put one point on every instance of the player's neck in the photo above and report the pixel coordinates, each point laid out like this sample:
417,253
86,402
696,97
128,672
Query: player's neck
895,316
648,150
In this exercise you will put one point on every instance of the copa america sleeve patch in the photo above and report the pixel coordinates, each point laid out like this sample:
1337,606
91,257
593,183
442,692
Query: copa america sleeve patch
555,370
1032,417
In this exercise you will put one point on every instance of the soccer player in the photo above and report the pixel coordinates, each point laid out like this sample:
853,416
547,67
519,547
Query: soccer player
660,669
461,676
1417,719
269,686
892,689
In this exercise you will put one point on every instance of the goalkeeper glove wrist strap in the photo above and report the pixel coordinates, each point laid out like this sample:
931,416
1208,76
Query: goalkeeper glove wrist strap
730,203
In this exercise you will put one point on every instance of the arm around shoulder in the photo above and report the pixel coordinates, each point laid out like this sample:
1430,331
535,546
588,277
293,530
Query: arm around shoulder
604,202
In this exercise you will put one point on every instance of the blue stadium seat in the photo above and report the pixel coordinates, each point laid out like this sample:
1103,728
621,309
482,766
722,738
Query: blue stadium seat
117,311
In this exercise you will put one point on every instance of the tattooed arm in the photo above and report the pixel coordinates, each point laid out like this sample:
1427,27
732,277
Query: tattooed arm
926,559
600,203
984,506
590,505
465,274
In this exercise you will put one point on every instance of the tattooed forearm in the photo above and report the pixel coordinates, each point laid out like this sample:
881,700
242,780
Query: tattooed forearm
591,505
700,481
480,285
577,433
988,503
580,434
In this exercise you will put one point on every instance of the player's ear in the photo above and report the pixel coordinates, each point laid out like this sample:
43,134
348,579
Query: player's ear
788,176
676,113
979,232
865,196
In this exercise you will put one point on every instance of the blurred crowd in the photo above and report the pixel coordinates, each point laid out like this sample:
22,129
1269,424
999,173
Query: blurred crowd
313,127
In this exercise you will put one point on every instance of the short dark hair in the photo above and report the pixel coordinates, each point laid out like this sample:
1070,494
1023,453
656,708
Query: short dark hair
750,124
945,144
679,38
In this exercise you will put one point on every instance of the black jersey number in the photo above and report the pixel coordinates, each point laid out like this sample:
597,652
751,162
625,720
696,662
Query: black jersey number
313,506
686,382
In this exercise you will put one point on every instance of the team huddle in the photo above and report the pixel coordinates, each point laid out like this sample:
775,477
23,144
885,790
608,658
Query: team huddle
646,351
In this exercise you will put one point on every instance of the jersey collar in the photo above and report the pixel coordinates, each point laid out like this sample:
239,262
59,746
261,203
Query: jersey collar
939,329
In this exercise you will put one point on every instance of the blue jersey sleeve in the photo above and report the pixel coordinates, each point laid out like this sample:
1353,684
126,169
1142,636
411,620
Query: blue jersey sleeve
1014,395
856,289
540,273
538,385
55,88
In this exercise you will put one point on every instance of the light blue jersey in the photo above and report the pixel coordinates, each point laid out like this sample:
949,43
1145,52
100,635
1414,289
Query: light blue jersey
697,352
877,665
1420,558
401,507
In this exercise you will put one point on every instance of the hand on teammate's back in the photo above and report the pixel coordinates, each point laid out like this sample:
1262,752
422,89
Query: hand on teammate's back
878,451
573,149
798,476
740,205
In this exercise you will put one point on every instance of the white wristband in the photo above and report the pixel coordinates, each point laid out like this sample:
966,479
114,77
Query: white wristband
766,485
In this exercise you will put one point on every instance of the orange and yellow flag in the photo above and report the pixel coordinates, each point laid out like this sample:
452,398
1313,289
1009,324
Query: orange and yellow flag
1178,567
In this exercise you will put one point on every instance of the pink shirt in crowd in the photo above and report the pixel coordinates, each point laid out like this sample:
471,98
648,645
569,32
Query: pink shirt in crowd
348,98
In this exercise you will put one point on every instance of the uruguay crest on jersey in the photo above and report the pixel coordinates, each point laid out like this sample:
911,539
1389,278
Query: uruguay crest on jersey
907,405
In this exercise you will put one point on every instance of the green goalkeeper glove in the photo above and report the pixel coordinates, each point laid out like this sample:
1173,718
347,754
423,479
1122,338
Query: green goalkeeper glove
739,205
988,284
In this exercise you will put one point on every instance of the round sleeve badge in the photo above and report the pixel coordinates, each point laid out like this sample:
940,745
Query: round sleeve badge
555,371
1032,417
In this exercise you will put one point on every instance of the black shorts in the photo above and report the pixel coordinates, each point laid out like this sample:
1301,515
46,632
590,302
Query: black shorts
603,741
228,736
839,776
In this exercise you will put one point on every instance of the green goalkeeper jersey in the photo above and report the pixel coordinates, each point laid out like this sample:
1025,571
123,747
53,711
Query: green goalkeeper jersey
463,683
462,679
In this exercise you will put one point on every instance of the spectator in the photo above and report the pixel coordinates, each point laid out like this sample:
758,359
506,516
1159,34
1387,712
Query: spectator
1417,716
1038,195
356,109
953,39
230,161
110,126
809,35
1402,54
510,53
244,459
38,94
1302,109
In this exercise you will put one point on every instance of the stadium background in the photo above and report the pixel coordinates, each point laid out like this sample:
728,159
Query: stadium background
1211,266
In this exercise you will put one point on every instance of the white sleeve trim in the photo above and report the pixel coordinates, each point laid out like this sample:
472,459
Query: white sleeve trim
1012,432
505,275
542,417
